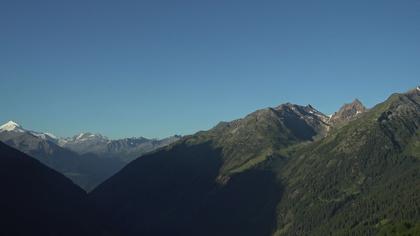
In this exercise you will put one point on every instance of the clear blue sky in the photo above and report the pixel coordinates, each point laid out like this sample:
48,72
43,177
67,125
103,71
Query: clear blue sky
157,68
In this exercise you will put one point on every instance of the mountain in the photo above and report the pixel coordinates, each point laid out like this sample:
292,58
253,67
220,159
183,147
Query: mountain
287,170
213,182
126,149
362,179
12,126
36,200
85,170
347,113
87,159
83,141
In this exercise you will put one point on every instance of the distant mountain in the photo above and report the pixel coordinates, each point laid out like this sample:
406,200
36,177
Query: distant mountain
347,113
125,149
85,170
11,126
87,159
84,141
14,127
288,170
36,200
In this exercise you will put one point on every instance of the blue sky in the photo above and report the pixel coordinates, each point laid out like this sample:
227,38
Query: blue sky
157,68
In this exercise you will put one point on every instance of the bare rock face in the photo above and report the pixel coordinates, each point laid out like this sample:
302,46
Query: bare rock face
347,113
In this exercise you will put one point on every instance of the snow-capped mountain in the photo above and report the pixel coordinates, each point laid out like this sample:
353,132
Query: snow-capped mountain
11,126
85,170
83,139
14,127
126,149
86,158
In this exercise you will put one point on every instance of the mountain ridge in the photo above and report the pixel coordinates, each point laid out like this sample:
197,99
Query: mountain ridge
374,149
318,171
285,170
204,174
125,149
82,162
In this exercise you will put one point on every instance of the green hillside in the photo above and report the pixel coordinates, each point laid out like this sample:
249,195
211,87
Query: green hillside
278,171
358,177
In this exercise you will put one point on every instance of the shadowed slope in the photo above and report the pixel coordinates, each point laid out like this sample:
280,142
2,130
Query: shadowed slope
36,200
175,192
86,170
211,183
361,178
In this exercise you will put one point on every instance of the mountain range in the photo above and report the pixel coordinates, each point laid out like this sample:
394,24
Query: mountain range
286,170
126,149
87,159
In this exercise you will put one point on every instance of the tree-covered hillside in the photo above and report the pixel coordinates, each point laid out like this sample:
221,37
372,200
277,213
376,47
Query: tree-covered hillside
278,171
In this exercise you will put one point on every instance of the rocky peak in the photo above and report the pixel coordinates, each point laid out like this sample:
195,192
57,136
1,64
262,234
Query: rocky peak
304,112
347,112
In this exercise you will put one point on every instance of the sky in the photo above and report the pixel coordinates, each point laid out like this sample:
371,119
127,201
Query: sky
158,68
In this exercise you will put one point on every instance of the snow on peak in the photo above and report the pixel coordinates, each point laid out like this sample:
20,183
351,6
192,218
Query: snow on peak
418,88
80,135
88,136
51,135
46,136
11,126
